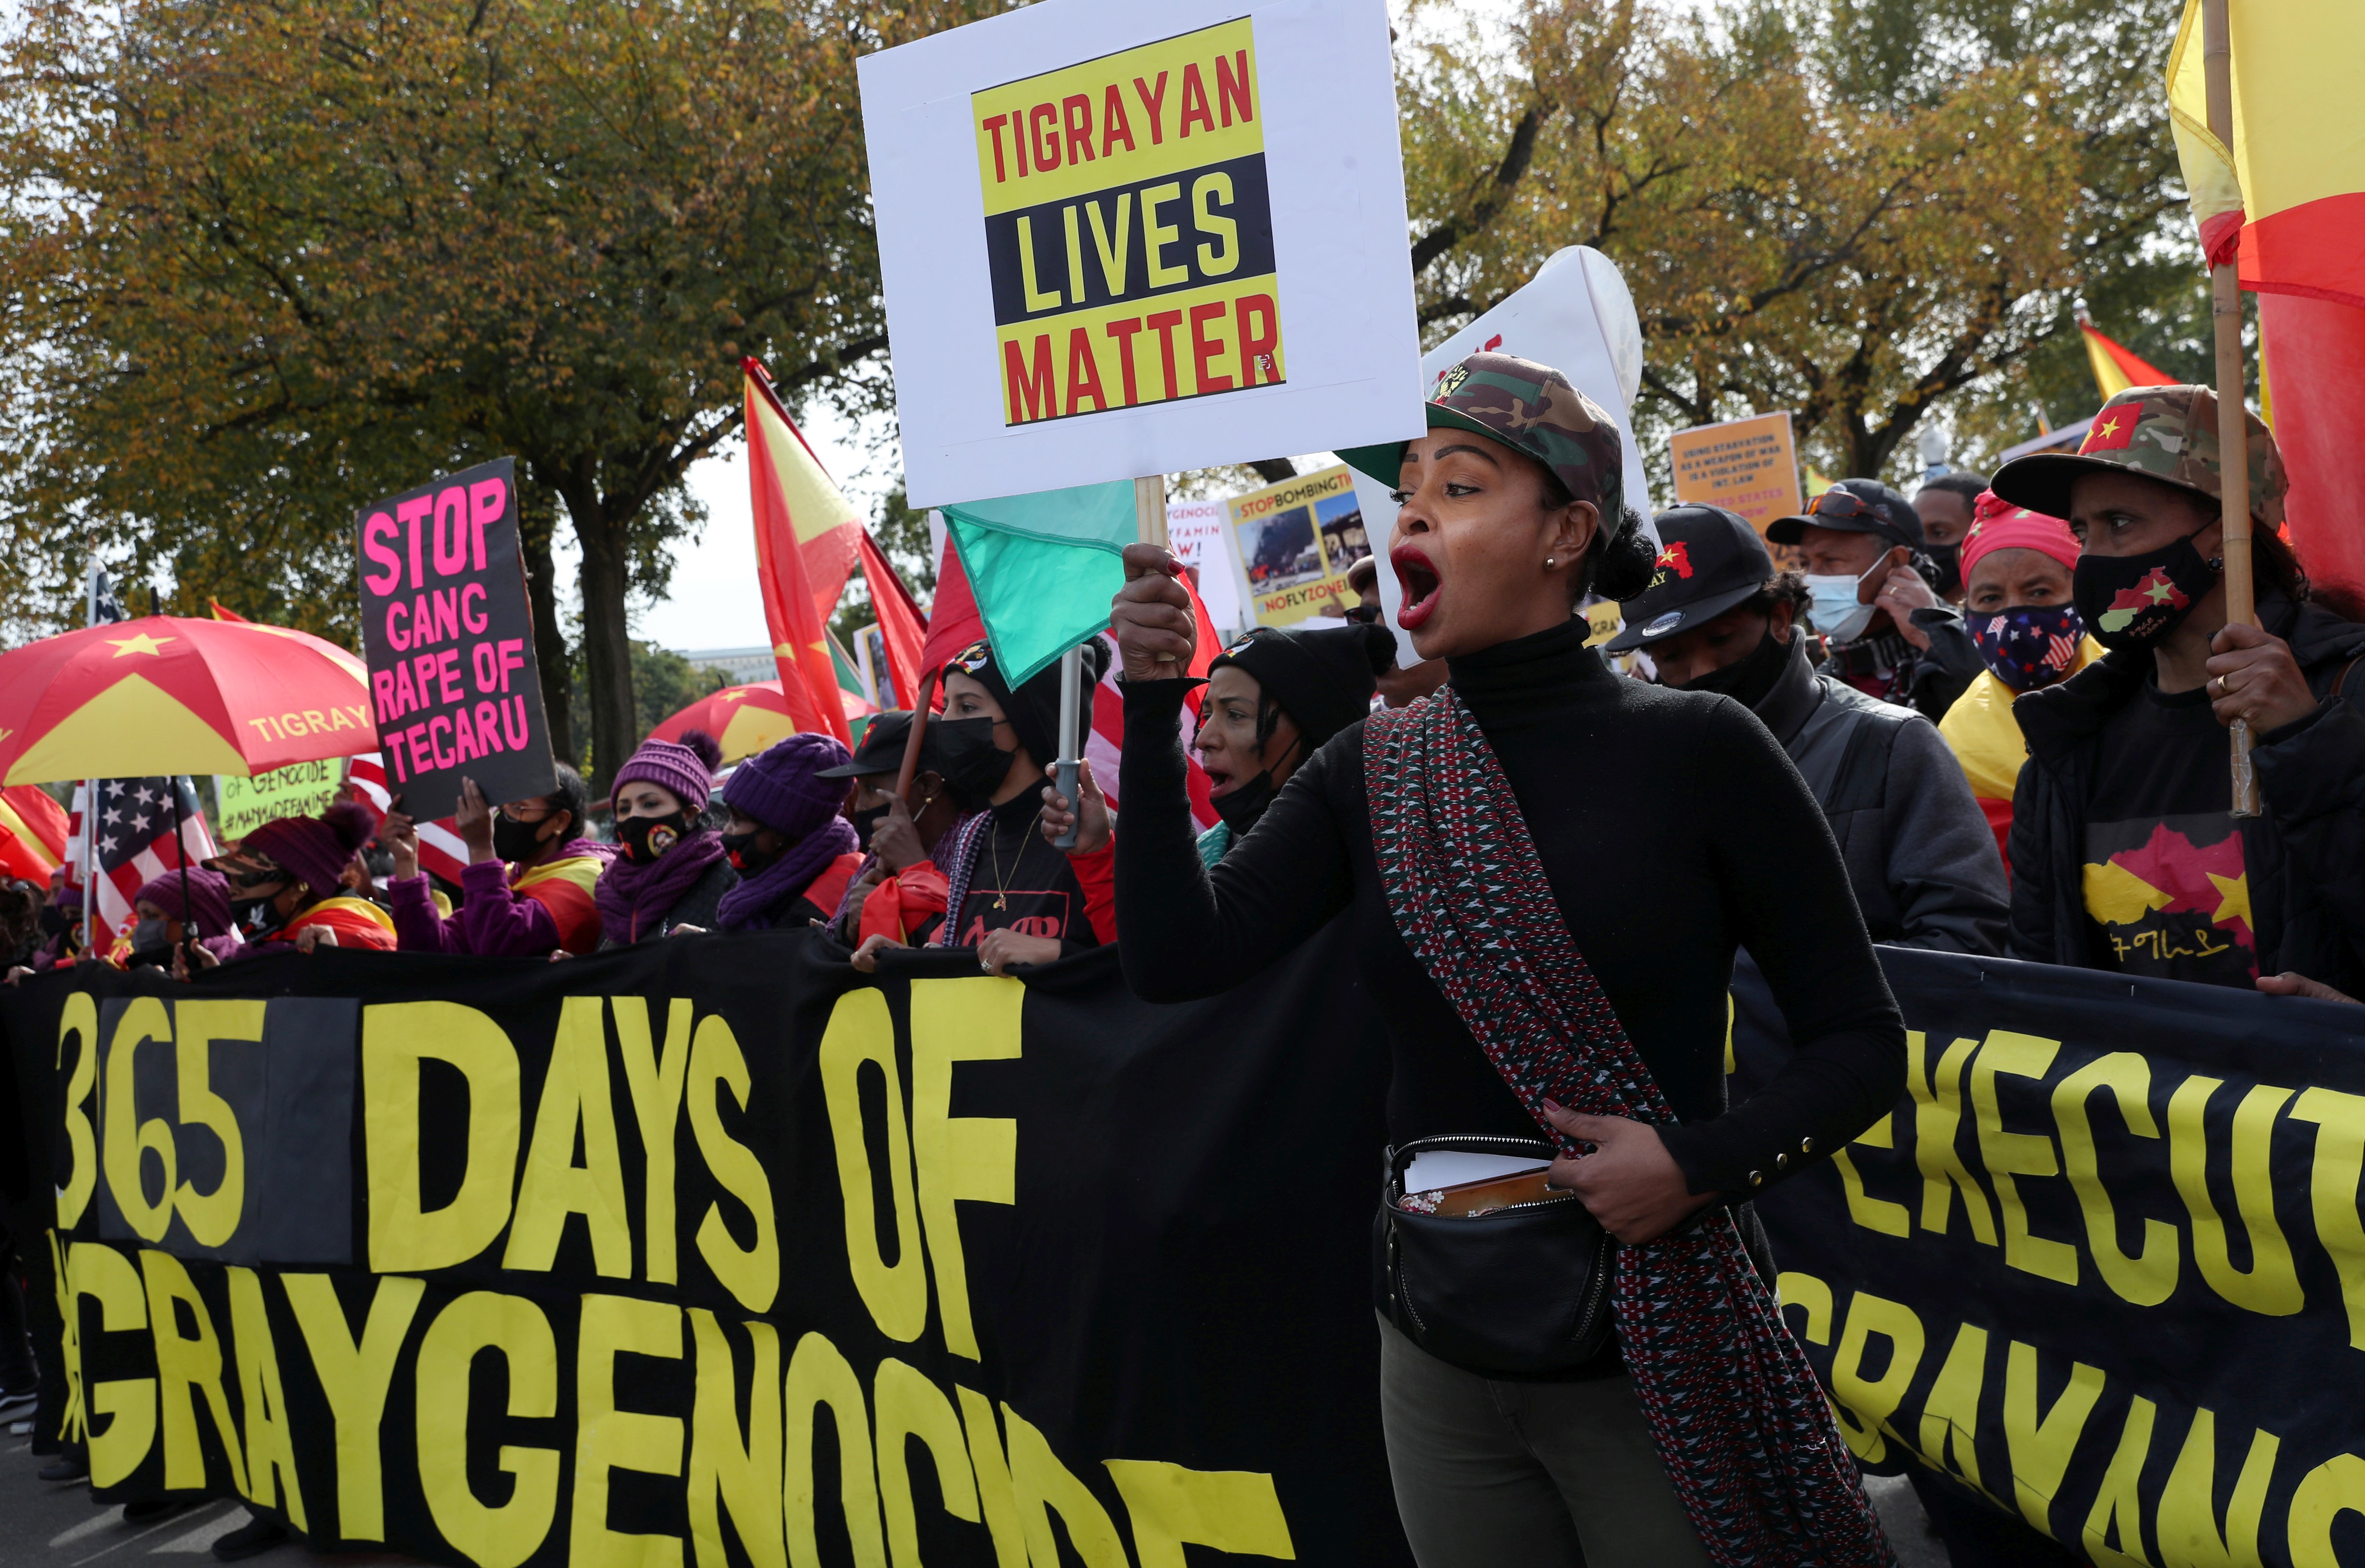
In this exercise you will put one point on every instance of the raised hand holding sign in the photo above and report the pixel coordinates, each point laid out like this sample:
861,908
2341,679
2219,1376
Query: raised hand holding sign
448,635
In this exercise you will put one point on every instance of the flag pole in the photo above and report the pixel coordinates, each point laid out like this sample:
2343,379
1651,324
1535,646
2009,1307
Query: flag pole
1149,518
1064,770
2233,423
913,739
90,790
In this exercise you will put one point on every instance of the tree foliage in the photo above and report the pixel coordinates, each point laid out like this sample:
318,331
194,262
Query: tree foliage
1855,209
263,262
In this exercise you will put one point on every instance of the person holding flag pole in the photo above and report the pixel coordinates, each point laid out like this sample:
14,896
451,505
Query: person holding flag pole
2133,847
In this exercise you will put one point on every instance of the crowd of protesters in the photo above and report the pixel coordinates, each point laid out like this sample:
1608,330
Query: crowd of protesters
1990,719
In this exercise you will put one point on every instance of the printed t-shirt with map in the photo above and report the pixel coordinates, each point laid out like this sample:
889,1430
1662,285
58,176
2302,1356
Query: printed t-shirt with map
1018,881
2166,886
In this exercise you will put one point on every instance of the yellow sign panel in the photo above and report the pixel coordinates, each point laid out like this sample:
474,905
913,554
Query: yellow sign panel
1129,228
1750,466
299,789
1297,538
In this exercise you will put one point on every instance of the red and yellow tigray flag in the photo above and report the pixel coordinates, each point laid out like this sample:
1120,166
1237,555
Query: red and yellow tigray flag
2117,367
32,833
828,529
2289,197
780,475
222,614
2286,203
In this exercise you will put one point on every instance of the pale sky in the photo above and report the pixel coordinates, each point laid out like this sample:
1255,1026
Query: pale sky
715,602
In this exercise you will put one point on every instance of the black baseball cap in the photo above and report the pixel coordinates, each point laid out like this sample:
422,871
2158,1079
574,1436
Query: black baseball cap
882,750
1710,560
1856,506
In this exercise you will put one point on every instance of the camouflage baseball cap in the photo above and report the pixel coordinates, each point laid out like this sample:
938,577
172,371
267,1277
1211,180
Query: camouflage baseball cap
1530,408
2168,434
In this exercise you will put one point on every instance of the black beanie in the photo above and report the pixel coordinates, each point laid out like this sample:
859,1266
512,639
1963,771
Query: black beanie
1034,708
1323,681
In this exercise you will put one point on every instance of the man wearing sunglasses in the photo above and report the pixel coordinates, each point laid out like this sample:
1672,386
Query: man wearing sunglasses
1872,593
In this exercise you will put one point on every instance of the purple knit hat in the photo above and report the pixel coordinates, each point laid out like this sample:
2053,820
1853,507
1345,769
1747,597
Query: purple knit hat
314,850
685,766
209,896
782,790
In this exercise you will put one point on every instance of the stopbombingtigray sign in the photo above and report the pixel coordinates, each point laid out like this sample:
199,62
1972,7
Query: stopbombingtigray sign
1120,241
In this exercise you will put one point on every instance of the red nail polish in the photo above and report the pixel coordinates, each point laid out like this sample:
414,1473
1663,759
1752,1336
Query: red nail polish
1550,1104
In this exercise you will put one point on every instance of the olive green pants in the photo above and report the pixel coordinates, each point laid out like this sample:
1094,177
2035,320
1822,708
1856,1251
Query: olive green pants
1501,1475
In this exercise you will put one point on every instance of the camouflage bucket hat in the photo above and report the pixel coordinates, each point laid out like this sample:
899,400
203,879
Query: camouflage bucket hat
1530,408
2168,434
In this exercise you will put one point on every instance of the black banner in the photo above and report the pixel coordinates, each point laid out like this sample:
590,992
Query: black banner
715,1252
947,1268
448,633
2104,1266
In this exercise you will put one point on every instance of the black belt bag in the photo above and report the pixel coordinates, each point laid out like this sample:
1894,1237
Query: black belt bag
1521,1290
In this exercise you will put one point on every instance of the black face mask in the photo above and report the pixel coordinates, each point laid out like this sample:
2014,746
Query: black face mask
863,821
254,915
2133,601
973,765
646,838
746,858
1242,807
1750,679
1949,561
517,842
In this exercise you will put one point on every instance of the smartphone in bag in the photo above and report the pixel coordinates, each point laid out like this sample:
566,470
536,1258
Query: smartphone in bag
1465,1200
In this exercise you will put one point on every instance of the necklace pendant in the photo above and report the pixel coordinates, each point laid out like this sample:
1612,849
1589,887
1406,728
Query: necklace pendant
1001,902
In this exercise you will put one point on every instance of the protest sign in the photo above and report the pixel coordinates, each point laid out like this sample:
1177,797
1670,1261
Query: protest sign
449,638
1296,541
1576,316
1749,466
1124,241
299,789
1199,533
2102,1267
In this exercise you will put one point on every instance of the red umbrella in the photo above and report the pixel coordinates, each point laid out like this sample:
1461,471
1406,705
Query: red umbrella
165,694
747,719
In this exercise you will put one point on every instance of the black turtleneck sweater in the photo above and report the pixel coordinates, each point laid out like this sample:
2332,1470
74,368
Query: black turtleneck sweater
1672,828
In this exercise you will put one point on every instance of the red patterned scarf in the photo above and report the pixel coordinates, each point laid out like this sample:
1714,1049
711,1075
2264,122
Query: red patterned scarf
1734,1409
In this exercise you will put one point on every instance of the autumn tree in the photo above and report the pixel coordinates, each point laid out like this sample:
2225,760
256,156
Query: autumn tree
263,262
1855,210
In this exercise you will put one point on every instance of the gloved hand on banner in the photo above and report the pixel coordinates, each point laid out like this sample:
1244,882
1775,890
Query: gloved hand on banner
1630,1183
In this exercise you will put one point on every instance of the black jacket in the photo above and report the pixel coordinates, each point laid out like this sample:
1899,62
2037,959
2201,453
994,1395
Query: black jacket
2305,852
1920,854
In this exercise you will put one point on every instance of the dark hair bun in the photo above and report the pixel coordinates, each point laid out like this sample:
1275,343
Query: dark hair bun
351,823
1096,663
1622,562
705,747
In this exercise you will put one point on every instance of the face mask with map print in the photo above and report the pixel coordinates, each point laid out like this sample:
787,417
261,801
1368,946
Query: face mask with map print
2132,602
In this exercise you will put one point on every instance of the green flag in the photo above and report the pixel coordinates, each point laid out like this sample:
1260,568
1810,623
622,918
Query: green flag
1044,567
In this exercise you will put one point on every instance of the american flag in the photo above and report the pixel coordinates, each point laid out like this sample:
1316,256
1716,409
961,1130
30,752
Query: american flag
132,842
441,850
